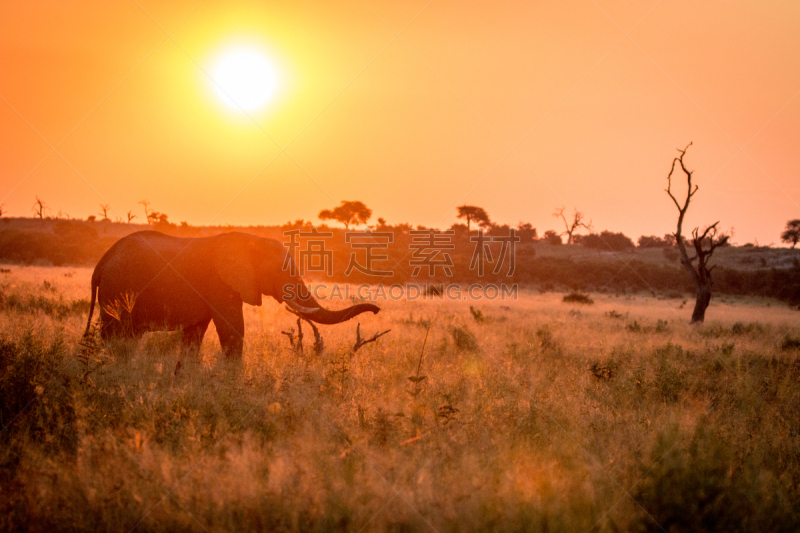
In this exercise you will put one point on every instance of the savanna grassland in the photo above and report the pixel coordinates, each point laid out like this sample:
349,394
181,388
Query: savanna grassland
534,415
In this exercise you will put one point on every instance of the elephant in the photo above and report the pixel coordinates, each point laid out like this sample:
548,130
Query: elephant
149,281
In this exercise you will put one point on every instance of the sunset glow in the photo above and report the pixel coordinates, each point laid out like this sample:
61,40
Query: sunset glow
412,107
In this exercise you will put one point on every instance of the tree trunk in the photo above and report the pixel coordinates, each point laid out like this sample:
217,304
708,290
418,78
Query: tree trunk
703,291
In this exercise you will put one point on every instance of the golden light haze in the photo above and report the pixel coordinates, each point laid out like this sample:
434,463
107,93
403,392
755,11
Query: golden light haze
411,107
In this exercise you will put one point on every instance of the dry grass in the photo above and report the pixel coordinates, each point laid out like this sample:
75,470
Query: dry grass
539,416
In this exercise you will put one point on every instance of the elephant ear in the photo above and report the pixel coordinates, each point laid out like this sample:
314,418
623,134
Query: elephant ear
235,264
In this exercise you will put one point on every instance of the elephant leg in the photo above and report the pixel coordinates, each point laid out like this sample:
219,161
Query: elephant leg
193,336
230,328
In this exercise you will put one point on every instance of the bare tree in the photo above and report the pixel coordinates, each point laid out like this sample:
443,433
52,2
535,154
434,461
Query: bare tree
572,227
104,210
704,243
131,216
40,208
1,210
146,205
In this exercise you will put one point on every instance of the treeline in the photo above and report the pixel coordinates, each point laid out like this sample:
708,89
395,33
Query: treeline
82,243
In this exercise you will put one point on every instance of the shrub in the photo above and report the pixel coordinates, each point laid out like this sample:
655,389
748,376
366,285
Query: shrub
551,237
608,240
464,339
35,397
790,343
703,487
651,241
578,298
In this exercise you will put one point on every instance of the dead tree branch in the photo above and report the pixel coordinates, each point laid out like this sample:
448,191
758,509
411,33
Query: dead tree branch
361,341
319,345
704,244
298,344
39,209
577,222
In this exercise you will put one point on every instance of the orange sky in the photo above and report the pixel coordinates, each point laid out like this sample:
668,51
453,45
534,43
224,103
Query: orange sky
517,107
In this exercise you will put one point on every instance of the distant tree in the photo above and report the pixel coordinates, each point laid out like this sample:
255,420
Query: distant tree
572,227
157,218
526,232
607,240
146,205
381,224
347,213
91,218
104,211
474,213
297,224
131,216
40,208
403,227
1,210
704,244
652,241
552,237
499,229
792,233
459,230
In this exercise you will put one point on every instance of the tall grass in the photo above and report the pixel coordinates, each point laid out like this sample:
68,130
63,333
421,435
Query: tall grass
530,419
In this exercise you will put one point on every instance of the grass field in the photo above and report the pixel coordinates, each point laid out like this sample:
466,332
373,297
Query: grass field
536,415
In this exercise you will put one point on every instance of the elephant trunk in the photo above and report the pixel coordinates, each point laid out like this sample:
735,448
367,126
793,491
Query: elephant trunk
307,307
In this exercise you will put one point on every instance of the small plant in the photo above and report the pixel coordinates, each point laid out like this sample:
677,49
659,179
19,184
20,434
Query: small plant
662,326
578,298
790,343
615,314
634,327
383,428
604,372
447,413
546,339
464,340
91,356
740,328
416,379
434,290
422,322
477,314
668,380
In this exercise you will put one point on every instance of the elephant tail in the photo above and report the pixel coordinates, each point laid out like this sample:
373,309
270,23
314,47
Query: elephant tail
95,284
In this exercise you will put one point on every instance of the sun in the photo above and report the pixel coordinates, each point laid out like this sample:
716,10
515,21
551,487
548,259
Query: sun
244,78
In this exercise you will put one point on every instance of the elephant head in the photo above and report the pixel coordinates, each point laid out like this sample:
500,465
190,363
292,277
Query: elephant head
254,266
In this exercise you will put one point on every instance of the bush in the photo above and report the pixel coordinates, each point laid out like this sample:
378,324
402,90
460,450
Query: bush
651,241
35,398
703,487
551,237
464,340
578,298
608,240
